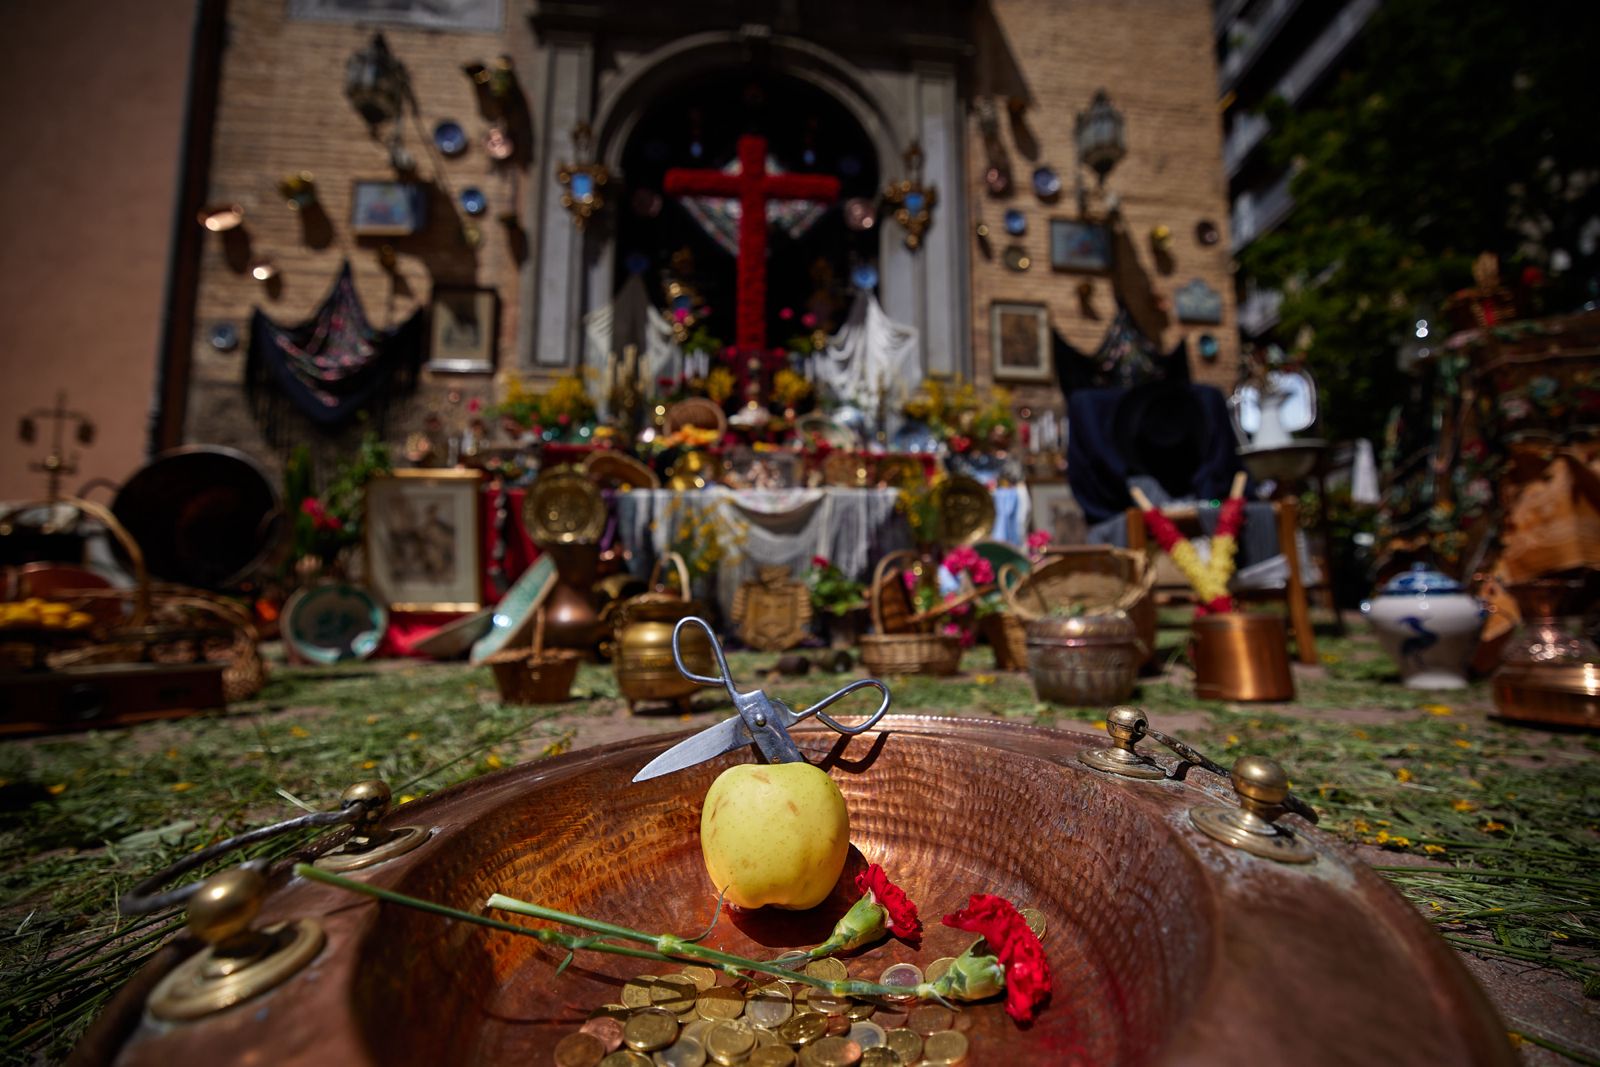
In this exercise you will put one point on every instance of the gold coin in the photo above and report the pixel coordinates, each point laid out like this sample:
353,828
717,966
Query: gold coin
836,1052
651,1029
696,1028
607,1029
675,992
937,968
1035,920
804,1028
905,976
636,994
719,1002
626,1058
947,1046
730,1042
793,960
771,1056
867,1034
703,977
769,1006
839,1025
861,1010
767,1037
880,1057
828,969
580,1050
930,1019
963,1022
684,1052
828,1004
908,1043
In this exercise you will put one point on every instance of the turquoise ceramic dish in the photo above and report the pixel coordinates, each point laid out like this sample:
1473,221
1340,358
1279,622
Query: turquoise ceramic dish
514,614
334,623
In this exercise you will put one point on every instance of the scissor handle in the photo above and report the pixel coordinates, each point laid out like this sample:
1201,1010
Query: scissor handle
835,724
716,648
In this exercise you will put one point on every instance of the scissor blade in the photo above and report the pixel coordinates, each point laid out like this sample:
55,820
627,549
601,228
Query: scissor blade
709,743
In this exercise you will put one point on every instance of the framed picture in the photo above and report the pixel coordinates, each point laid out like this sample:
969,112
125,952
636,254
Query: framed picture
471,15
1079,246
464,325
1055,511
383,208
422,539
1019,338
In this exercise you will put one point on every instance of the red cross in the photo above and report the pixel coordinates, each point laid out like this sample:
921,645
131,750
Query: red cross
754,187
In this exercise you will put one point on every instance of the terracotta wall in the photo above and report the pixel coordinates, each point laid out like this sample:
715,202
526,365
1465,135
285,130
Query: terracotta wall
1156,62
282,109
92,130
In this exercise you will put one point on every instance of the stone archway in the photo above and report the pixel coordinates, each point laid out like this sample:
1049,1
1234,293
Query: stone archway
927,289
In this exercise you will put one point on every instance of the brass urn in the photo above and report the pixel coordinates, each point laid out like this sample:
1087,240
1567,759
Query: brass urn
644,665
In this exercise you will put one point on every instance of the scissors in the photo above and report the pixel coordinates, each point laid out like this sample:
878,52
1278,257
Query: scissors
762,720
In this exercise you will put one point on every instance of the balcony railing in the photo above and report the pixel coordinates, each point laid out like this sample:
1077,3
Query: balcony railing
1256,212
1260,31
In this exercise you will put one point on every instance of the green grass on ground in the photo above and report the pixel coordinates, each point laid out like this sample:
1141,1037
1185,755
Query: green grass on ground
1505,819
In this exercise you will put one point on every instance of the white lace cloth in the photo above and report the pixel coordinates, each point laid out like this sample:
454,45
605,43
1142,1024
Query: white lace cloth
778,527
871,354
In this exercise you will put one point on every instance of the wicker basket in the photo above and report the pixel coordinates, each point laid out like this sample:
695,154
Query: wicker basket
534,675
904,653
1007,634
1099,580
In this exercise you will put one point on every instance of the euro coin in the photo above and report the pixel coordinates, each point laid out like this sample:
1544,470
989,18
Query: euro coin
937,968
945,1047
719,1002
771,1056
880,1057
828,969
580,1050
626,1058
908,1043
675,992
703,977
769,1006
804,1028
651,1029
730,1042
1035,920
835,1052
930,1019
867,1034
607,1029
636,994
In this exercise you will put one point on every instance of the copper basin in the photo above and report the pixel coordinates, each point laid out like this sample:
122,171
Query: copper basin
1167,947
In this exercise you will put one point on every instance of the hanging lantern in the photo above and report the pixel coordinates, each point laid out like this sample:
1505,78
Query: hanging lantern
584,182
912,201
1100,136
375,82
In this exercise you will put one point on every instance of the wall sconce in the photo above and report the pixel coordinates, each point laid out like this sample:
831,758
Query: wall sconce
375,82
299,190
584,182
912,201
1100,138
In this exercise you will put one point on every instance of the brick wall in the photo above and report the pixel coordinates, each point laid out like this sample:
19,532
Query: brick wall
281,110
1154,58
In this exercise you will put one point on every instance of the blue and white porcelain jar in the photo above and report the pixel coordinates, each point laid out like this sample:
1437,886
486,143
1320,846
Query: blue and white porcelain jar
1429,624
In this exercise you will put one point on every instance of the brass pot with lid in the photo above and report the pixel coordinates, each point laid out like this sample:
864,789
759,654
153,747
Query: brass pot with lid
645,670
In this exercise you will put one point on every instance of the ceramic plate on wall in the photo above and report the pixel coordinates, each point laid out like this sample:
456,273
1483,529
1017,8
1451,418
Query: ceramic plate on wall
1046,183
473,202
1017,259
1016,223
450,137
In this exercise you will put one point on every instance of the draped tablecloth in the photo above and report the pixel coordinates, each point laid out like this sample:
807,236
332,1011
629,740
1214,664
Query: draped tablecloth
852,528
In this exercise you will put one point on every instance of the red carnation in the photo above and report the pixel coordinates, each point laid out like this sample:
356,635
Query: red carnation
819,561
903,921
1027,971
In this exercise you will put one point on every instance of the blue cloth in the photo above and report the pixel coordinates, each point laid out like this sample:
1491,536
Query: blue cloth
1097,472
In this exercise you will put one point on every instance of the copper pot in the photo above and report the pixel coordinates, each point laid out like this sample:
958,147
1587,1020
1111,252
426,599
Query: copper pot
1084,660
644,664
1241,657
572,621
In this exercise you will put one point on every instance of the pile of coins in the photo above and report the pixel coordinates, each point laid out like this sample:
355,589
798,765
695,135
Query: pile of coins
686,1019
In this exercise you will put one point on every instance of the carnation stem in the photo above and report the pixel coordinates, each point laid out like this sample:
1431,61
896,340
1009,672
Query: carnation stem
680,951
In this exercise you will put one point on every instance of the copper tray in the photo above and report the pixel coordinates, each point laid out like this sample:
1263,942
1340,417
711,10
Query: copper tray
1166,946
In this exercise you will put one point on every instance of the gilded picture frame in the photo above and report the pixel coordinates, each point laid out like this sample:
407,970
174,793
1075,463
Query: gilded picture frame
423,537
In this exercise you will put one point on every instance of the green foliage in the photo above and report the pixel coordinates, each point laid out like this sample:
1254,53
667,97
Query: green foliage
832,590
1459,128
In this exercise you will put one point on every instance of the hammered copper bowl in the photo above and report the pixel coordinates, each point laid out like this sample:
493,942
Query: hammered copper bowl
1166,946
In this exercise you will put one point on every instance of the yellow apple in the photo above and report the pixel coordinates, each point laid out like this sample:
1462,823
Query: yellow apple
774,834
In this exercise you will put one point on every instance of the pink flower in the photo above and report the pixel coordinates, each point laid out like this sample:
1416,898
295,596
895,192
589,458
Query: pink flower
1038,540
983,572
321,518
960,559
474,406
809,321
910,580
819,561
680,314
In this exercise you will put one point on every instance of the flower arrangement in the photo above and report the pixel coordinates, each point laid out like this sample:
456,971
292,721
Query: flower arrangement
698,535
962,417
565,404
720,384
790,388
1209,578
1007,957
832,590
920,503
329,522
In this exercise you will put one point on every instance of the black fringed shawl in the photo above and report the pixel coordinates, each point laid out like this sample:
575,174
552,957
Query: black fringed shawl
330,367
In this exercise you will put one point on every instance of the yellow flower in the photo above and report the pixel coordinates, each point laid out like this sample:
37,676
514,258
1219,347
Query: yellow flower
413,736
493,762
1461,742
1233,739
1359,735
1463,805
1492,826
1402,775
372,720
983,679
299,731
405,798
182,787
1437,709
1433,850
367,765
57,789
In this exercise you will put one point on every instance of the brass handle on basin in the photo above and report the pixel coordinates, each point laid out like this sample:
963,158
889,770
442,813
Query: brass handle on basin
361,806
239,961
1290,802
1262,786
1125,726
